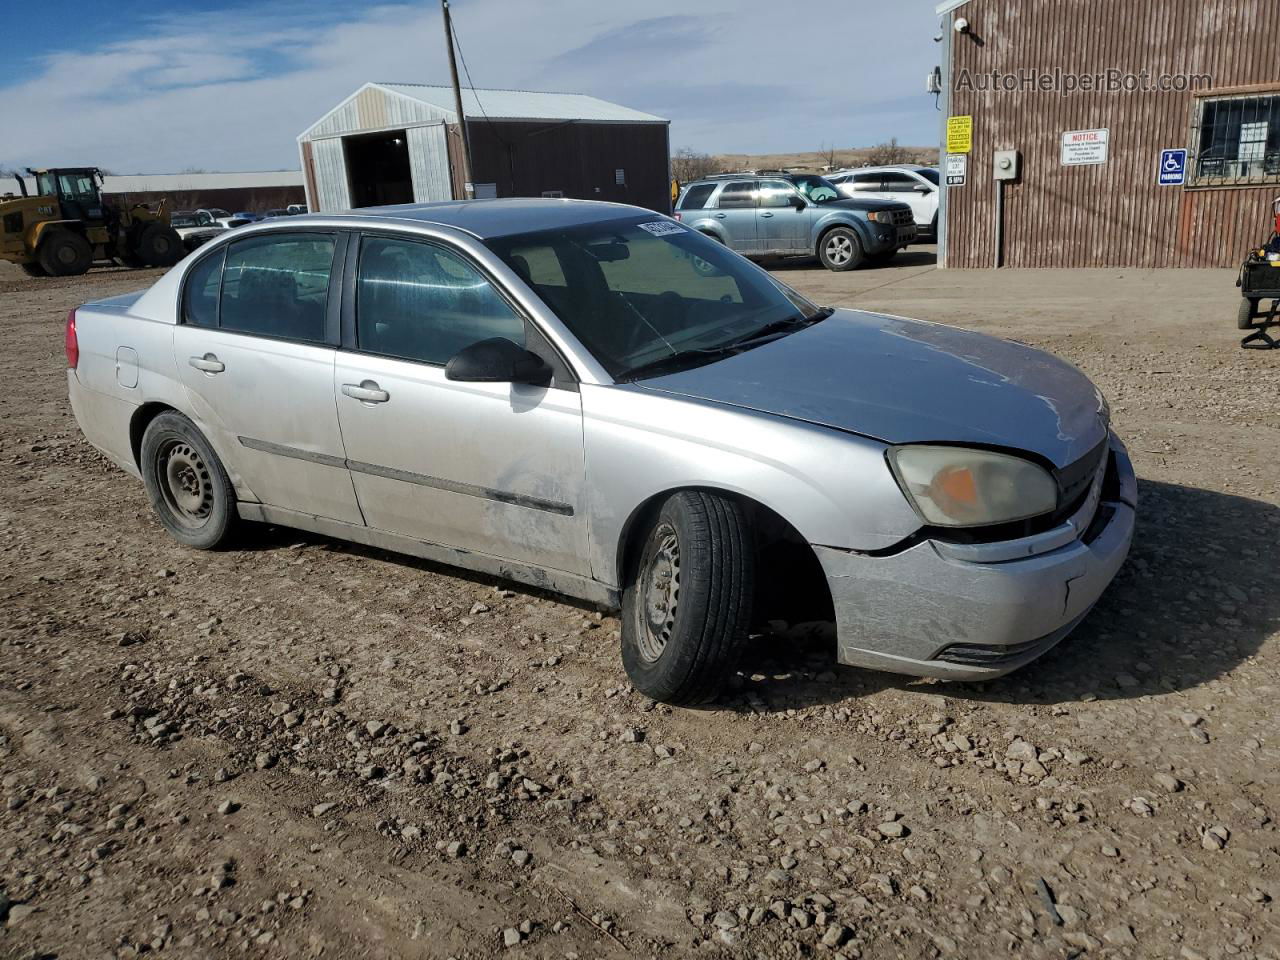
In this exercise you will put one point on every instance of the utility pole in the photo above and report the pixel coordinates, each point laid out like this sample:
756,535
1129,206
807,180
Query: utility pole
457,102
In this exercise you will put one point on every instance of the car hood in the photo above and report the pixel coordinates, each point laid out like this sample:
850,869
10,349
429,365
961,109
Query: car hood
908,381
867,203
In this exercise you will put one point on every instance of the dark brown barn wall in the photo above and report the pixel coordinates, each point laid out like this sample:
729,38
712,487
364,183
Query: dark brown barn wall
1113,214
233,200
578,158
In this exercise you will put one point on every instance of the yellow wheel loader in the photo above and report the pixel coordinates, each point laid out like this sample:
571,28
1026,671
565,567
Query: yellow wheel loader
67,227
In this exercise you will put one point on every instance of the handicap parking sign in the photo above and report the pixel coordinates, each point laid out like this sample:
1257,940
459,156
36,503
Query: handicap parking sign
1173,168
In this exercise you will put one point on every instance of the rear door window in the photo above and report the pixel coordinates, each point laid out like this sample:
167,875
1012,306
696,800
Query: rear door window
696,197
200,295
740,193
277,285
421,301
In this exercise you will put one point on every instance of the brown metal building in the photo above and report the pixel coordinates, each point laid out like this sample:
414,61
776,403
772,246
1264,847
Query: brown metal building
401,143
1090,94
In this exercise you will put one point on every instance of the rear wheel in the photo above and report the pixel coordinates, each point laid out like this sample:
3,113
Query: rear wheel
65,254
840,249
159,246
1248,310
687,603
188,486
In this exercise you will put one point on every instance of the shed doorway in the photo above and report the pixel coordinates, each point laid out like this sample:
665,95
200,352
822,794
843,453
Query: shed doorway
378,168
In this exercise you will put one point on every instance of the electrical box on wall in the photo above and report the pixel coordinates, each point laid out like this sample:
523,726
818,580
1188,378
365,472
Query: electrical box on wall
1007,165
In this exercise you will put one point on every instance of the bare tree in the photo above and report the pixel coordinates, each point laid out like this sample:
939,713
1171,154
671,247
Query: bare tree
883,154
827,156
687,164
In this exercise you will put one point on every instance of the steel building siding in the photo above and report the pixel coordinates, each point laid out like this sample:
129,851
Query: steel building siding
1114,214
331,175
429,163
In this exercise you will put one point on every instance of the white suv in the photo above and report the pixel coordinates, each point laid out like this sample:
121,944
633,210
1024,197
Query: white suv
908,183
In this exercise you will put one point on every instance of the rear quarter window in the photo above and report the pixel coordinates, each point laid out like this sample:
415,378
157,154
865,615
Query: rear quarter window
200,294
696,197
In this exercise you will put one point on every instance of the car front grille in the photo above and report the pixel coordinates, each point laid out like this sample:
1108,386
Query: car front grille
903,218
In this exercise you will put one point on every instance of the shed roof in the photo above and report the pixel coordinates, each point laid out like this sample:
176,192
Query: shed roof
522,104
424,102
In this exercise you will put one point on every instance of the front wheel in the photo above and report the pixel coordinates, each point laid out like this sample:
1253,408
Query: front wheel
687,602
187,484
840,249
159,246
1248,310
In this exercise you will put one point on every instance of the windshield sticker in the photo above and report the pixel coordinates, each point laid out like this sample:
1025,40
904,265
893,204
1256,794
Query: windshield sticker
662,228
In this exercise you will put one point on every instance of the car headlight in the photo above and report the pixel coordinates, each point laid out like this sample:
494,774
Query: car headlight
962,487
880,216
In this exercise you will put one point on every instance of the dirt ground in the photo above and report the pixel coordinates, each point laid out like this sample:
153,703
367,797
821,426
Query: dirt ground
302,748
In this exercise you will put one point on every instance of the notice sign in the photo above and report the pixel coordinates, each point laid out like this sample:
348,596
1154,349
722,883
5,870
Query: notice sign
956,169
1084,146
959,134
1173,168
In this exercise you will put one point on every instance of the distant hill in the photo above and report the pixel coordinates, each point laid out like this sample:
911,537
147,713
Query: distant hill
822,160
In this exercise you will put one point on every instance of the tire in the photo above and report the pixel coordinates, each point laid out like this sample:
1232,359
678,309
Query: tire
932,235
1248,310
159,246
65,254
840,249
687,602
188,487
33,269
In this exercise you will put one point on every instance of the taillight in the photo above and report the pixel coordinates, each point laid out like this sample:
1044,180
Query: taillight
73,345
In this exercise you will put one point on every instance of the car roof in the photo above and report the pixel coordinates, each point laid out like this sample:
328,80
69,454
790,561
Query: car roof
907,167
486,219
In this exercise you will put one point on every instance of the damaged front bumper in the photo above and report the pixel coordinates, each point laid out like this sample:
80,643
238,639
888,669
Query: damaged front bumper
976,611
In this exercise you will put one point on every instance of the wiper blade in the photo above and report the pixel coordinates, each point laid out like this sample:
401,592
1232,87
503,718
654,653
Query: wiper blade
681,359
780,326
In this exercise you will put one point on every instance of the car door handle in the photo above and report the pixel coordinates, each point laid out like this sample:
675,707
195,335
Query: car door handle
766,214
366,391
718,216
208,363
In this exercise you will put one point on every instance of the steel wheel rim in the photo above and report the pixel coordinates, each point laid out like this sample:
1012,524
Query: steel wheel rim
839,249
66,254
185,483
660,592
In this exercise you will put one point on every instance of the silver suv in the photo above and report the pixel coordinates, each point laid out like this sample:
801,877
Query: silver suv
788,214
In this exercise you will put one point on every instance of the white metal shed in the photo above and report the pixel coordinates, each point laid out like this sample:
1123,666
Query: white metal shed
398,142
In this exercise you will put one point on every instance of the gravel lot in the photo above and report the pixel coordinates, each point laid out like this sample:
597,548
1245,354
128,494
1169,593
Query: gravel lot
303,748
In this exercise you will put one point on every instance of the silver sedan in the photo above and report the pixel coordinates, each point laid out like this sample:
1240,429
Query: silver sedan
595,400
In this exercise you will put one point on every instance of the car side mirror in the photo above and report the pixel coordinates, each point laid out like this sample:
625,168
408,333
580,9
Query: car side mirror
797,201
498,360
922,188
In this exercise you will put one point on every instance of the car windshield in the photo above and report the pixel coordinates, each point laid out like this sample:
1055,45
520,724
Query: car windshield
647,295
930,174
816,188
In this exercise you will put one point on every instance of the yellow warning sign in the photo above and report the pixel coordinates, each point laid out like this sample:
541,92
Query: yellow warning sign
959,134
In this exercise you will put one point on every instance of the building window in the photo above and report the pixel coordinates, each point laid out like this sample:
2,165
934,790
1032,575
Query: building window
1237,140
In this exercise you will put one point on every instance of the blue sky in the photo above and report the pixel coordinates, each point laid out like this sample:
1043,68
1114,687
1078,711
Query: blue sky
143,87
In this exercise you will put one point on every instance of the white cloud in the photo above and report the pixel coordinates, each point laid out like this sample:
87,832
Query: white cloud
232,91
